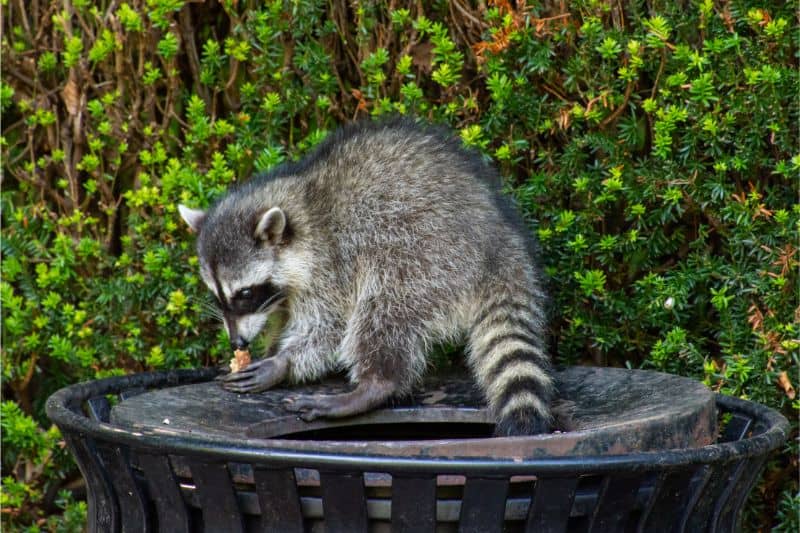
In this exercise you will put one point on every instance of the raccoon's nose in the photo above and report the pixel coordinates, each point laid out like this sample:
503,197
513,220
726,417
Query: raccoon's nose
238,343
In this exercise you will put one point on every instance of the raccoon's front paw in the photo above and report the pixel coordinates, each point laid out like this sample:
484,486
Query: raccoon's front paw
256,377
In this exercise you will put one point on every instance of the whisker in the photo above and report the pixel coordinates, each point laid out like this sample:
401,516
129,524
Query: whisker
210,309
263,307
214,316
209,305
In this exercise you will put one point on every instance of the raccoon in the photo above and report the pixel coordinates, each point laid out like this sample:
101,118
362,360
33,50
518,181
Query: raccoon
389,238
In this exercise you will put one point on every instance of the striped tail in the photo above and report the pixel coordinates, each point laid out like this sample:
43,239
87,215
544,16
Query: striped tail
507,354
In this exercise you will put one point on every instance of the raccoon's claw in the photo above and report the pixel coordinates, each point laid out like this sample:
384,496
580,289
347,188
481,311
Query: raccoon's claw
367,395
308,408
256,377
246,372
242,387
309,416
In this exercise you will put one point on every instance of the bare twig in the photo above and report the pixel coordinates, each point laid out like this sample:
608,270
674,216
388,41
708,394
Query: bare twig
188,36
24,17
467,13
613,116
658,75
555,92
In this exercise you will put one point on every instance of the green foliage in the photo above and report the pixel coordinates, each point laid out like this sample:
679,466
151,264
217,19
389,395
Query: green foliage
36,461
653,147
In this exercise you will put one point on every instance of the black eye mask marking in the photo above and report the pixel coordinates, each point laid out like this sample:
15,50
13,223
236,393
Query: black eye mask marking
250,299
246,300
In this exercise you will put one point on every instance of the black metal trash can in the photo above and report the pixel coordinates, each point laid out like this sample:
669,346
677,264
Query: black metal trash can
158,480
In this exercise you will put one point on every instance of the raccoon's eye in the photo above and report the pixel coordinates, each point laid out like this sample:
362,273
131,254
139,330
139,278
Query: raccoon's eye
251,299
245,294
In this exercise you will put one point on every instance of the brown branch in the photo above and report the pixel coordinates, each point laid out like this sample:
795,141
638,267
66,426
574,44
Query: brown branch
87,30
45,21
464,11
552,90
340,19
188,35
9,69
44,186
658,75
613,116
24,18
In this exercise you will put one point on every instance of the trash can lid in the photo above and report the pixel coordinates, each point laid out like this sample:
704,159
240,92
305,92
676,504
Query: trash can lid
608,410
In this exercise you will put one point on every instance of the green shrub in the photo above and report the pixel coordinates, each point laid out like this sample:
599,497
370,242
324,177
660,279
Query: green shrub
654,148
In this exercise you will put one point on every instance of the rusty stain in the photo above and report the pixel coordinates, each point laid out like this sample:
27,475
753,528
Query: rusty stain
613,411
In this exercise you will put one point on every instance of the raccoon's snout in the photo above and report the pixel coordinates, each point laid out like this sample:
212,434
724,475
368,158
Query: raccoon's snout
239,343
242,329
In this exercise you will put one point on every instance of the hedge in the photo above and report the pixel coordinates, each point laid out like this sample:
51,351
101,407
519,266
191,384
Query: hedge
652,145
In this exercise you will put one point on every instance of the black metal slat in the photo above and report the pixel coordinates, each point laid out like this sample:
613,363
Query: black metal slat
670,493
615,502
166,493
103,515
99,408
736,428
697,487
278,500
700,517
344,505
413,504
551,505
483,506
217,497
130,393
713,499
133,508
728,506
730,516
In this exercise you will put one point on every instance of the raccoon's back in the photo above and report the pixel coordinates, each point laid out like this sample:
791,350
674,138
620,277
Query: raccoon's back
409,160
397,174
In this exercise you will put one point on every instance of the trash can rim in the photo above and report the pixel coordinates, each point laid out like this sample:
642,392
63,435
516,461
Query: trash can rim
63,408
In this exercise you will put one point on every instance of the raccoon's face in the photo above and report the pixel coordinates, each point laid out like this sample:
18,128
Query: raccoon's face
240,263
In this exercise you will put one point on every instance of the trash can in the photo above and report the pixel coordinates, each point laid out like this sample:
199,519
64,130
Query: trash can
637,451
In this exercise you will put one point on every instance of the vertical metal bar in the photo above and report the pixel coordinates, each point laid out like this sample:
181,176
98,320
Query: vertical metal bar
103,515
615,502
217,497
730,515
670,495
724,517
725,512
99,408
165,491
132,501
413,504
130,393
697,486
344,504
483,507
736,428
721,476
551,505
278,500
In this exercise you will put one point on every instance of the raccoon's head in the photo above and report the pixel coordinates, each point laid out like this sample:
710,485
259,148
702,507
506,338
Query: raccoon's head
242,261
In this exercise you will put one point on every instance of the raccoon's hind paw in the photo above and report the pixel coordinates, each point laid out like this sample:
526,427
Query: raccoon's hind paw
310,407
522,422
367,395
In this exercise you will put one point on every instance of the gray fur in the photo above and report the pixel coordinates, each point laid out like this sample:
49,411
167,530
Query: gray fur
395,238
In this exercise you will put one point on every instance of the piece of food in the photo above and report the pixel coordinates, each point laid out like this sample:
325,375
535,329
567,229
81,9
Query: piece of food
241,358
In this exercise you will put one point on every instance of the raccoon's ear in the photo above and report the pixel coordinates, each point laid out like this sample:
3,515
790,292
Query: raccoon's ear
271,226
194,218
